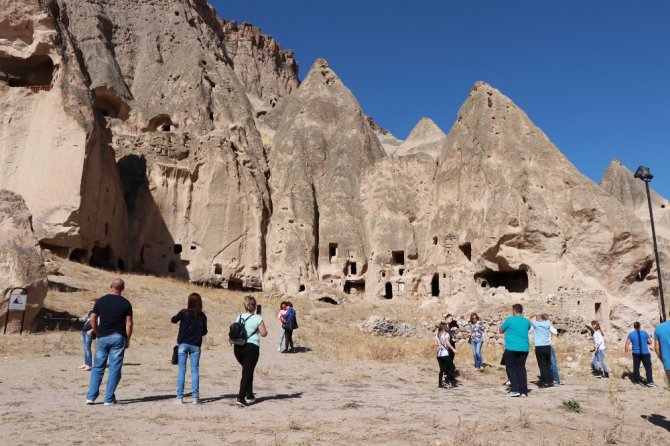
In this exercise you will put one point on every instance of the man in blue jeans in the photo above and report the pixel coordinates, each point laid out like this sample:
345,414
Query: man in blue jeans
112,322
639,341
516,329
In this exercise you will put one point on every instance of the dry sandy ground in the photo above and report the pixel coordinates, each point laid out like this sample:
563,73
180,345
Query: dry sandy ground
306,398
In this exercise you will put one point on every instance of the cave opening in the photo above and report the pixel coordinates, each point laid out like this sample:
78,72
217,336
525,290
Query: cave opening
101,257
398,257
354,287
515,281
435,285
388,290
466,249
35,71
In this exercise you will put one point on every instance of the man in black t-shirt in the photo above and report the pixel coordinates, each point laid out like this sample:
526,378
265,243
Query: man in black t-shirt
112,322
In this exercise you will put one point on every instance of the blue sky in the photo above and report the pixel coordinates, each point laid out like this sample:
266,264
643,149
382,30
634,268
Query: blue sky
593,75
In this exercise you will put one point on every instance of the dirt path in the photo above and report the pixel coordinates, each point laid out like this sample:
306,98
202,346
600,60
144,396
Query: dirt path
302,398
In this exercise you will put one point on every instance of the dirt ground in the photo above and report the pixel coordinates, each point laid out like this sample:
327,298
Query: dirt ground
343,387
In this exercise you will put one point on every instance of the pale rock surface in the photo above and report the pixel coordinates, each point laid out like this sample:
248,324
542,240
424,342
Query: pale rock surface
425,137
21,263
389,142
321,147
621,184
53,148
529,220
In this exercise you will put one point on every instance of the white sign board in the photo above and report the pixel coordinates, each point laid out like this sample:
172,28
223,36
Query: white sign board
18,301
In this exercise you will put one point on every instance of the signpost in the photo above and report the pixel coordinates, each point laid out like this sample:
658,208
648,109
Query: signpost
18,300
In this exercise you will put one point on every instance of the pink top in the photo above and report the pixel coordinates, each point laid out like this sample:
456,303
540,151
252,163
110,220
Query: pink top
281,317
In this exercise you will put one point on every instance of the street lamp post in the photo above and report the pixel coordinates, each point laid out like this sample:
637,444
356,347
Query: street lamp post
644,174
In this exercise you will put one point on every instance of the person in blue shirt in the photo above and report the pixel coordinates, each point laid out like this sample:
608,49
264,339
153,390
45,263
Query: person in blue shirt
542,343
662,347
639,341
516,329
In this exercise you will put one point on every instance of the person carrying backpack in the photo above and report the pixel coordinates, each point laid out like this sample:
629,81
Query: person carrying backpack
247,350
290,324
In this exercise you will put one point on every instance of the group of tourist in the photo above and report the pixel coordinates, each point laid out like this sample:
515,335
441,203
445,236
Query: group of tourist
517,346
110,319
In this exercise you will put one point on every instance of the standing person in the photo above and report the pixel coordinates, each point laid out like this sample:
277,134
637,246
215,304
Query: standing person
640,342
282,320
444,358
453,330
192,327
542,344
247,354
477,338
290,324
554,364
602,371
87,338
662,347
516,329
113,333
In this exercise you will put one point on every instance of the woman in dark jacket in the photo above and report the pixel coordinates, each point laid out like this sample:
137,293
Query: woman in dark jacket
192,327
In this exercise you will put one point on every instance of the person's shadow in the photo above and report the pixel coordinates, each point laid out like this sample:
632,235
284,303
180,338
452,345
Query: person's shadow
658,420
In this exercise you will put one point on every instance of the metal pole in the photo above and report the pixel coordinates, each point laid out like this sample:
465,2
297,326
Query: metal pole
658,263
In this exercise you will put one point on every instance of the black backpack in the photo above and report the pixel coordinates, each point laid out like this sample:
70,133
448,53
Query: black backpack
237,335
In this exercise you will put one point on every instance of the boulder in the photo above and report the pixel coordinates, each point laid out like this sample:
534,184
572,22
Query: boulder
21,263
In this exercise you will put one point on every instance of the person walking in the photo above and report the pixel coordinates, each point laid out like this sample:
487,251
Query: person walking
192,327
290,324
598,359
282,319
662,347
444,358
87,338
247,354
113,334
516,329
477,338
542,343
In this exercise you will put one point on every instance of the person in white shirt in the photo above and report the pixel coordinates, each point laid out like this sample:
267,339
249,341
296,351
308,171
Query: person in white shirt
602,371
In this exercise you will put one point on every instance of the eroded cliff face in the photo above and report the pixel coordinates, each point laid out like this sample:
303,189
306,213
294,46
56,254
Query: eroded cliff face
621,184
321,147
153,136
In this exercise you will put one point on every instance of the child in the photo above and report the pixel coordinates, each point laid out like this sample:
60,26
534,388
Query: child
87,337
282,319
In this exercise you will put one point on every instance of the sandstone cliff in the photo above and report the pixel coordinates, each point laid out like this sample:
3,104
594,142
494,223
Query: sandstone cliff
322,144
151,135
621,184
21,263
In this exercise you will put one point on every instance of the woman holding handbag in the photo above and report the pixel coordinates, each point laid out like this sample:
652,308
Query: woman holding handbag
192,327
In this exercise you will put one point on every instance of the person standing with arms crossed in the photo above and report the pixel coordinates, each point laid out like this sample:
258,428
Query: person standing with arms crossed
112,322
662,347
516,329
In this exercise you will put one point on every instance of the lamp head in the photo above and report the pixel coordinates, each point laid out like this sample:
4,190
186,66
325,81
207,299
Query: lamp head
644,174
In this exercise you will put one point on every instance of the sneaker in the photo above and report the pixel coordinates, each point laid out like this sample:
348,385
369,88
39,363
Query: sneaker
560,382
513,394
179,401
447,385
279,349
196,401
250,399
606,375
90,402
651,385
111,403
241,402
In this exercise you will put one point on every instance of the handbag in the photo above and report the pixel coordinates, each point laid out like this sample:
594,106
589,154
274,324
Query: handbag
175,350
175,355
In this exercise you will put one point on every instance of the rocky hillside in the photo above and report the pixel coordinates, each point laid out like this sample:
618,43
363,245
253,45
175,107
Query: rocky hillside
155,136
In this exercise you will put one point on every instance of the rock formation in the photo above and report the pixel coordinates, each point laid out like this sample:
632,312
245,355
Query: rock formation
321,147
154,136
21,263
425,137
621,184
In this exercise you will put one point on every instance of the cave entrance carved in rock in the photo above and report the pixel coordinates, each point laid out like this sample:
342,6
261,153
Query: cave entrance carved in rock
515,281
